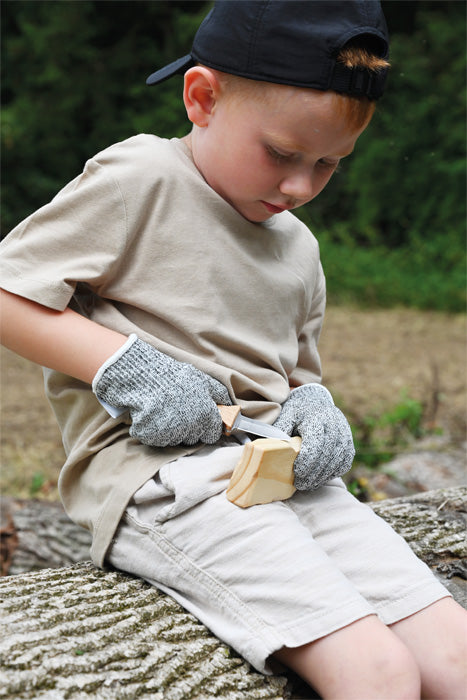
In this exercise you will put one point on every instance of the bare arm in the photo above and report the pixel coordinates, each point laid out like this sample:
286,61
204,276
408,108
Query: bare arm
60,340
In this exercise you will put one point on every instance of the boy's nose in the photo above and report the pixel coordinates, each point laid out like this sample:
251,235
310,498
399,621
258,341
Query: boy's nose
298,187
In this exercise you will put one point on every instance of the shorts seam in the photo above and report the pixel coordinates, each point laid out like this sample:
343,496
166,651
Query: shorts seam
315,617
384,609
214,586
410,592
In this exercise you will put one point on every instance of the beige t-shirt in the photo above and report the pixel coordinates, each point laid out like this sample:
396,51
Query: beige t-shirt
140,243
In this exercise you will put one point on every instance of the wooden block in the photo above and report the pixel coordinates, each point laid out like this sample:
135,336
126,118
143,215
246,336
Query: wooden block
264,472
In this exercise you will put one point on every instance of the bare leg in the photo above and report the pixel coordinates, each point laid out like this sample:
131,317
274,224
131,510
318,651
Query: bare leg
363,661
437,638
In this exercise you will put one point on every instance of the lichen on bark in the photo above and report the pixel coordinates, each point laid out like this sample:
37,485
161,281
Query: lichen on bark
78,632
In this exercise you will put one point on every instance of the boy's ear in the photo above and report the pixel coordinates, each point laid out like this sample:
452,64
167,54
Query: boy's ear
200,93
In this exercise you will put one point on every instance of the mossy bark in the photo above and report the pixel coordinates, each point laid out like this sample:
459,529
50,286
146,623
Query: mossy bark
434,524
78,632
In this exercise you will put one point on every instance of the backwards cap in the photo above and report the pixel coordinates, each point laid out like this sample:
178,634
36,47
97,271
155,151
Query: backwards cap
289,42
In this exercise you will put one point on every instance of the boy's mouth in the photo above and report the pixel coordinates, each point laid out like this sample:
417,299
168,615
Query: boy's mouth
273,208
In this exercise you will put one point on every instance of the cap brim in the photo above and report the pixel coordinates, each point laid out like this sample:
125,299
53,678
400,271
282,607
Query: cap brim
178,66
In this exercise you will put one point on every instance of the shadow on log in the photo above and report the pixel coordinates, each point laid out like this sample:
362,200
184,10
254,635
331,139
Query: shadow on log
78,632
39,535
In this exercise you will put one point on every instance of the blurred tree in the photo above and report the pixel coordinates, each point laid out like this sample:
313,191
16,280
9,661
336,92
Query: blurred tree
74,82
405,183
421,152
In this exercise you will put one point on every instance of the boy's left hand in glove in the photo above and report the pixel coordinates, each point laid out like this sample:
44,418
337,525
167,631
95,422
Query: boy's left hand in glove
327,448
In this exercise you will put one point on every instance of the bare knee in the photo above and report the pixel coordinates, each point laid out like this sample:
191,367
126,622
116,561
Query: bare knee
437,637
400,671
363,661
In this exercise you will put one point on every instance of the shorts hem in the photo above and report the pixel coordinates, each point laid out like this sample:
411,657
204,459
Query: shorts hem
299,637
418,598
259,638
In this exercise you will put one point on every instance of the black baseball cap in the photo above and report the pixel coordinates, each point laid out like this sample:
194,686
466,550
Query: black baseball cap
289,42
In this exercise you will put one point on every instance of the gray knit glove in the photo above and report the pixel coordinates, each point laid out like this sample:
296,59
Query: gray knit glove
327,447
170,402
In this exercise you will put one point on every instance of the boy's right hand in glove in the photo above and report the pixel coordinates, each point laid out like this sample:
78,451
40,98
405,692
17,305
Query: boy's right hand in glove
170,402
327,448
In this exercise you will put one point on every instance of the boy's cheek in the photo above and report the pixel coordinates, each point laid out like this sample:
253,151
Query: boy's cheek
321,185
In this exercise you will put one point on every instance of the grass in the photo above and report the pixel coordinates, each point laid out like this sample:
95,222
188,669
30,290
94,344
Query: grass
382,278
378,438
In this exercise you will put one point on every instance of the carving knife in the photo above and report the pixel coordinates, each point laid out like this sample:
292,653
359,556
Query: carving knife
233,421
231,418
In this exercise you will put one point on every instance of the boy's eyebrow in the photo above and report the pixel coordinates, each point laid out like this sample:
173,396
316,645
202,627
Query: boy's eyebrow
284,143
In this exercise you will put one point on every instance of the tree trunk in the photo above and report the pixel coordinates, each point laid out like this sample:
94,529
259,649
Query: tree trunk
39,535
78,632
434,524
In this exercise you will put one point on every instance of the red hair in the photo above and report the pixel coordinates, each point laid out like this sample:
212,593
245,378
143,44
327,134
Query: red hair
357,110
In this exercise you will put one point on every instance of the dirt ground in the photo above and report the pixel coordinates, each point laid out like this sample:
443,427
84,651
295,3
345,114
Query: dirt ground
369,358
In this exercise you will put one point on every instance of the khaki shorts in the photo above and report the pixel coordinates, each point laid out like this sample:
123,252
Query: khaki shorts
281,574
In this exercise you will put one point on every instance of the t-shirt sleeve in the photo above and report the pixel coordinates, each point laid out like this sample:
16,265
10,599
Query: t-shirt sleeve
78,237
308,367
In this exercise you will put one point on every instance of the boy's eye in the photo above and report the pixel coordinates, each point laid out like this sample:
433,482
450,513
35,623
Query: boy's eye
328,164
277,155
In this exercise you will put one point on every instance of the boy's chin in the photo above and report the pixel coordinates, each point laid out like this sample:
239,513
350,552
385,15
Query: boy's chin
253,211
260,220
256,217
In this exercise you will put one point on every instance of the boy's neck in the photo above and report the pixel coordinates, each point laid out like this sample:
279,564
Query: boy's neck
187,140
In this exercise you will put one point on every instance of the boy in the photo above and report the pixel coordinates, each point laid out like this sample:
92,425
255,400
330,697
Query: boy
169,277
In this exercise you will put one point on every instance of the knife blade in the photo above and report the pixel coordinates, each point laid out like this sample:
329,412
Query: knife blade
233,420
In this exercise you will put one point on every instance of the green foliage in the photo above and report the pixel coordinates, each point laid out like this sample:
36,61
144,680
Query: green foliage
358,488
384,277
423,150
395,214
37,483
406,417
74,83
392,222
378,437
405,183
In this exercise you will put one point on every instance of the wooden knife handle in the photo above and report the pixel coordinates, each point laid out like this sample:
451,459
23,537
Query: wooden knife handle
229,415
